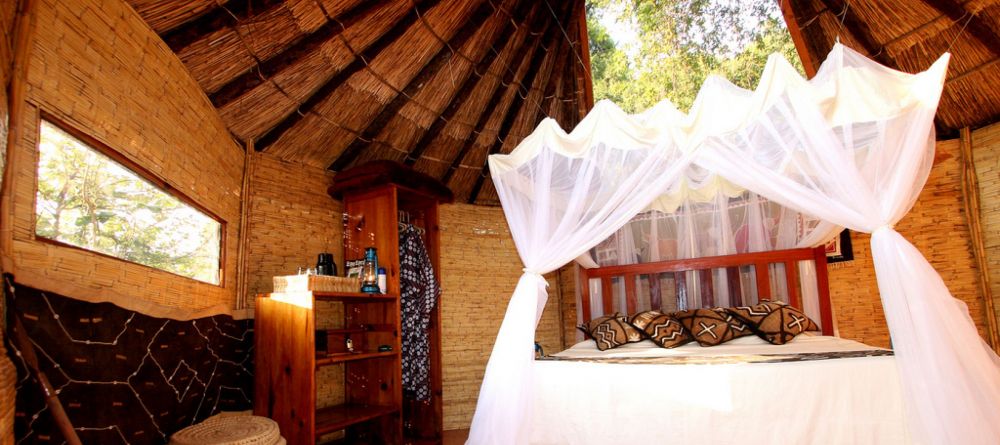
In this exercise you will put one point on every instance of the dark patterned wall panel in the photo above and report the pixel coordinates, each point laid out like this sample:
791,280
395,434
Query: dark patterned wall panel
124,377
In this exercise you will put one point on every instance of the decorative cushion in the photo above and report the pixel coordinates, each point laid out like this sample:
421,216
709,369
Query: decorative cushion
611,331
738,327
642,319
663,329
708,326
774,321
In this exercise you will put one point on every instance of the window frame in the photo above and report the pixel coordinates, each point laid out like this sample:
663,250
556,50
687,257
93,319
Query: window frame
142,173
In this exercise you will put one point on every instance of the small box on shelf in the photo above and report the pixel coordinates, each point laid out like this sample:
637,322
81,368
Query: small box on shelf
318,283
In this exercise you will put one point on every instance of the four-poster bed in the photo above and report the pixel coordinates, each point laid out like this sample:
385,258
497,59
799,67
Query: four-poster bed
815,389
851,147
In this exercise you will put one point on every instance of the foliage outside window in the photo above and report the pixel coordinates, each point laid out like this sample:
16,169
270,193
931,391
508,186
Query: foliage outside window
88,200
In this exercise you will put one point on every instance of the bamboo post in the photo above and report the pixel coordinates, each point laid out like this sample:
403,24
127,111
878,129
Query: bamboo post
970,200
242,279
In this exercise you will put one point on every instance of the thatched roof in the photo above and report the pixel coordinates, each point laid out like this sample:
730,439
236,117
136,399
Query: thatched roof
435,84
909,35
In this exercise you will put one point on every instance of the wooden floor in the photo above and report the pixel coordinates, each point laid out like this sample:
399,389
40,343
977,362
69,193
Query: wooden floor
455,437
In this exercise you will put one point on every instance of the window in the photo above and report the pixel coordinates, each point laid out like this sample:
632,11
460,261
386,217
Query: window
86,199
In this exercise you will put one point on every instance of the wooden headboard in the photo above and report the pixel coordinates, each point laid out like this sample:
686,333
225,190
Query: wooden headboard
761,262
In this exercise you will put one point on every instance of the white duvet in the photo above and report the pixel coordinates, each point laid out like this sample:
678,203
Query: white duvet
839,401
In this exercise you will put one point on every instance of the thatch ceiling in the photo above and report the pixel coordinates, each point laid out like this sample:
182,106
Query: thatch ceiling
909,35
435,84
441,84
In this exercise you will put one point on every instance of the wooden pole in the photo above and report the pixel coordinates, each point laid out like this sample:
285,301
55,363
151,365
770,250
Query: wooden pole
27,351
242,280
970,199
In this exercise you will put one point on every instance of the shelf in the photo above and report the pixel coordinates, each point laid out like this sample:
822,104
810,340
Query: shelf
338,417
323,360
354,297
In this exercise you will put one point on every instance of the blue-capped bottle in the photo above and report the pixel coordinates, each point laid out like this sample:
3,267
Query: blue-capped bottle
369,273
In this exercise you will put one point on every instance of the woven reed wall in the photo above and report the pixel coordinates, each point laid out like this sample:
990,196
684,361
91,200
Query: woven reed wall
96,65
479,270
7,373
936,226
291,220
986,154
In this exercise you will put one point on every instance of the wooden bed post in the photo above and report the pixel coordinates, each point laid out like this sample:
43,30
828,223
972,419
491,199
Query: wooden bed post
823,283
584,293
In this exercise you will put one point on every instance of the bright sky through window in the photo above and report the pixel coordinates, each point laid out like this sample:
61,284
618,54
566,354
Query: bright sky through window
88,200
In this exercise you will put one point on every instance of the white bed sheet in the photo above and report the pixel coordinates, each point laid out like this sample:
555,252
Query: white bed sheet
838,401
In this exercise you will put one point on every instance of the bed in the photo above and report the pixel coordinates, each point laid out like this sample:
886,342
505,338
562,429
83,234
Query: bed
817,388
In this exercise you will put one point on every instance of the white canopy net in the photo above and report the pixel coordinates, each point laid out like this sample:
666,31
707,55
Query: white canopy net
851,147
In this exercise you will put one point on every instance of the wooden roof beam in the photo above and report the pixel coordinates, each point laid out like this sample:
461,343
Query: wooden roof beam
957,13
792,23
484,115
465,89
271,135
537,61
860,31
443,54
258,74
224,14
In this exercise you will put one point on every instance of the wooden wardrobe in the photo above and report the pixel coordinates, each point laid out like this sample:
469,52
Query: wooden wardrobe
376,196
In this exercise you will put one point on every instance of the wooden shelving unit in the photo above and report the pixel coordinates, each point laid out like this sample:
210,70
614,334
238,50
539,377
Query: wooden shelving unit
287,357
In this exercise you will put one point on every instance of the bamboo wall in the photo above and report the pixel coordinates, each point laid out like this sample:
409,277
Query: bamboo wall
986,154
97,66
937,227
7,373
480,268
291,220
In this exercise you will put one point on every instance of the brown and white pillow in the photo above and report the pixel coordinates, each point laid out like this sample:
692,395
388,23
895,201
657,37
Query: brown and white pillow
611,331
663,329
642,319
774,321
738,327
708,326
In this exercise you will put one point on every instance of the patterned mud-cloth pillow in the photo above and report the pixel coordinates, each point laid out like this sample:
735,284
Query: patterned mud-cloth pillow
611,331
738,327
664,330
707,326
642,319
774,321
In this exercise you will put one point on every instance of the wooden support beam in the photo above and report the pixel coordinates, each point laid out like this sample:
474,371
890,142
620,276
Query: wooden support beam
443,55
274,133
970,200
976,26
655,292
268,68
514,110
584,51
498,90
823,284
791,14
224,13
466,88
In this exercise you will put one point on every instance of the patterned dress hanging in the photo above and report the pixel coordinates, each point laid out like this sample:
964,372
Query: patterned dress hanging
420,292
